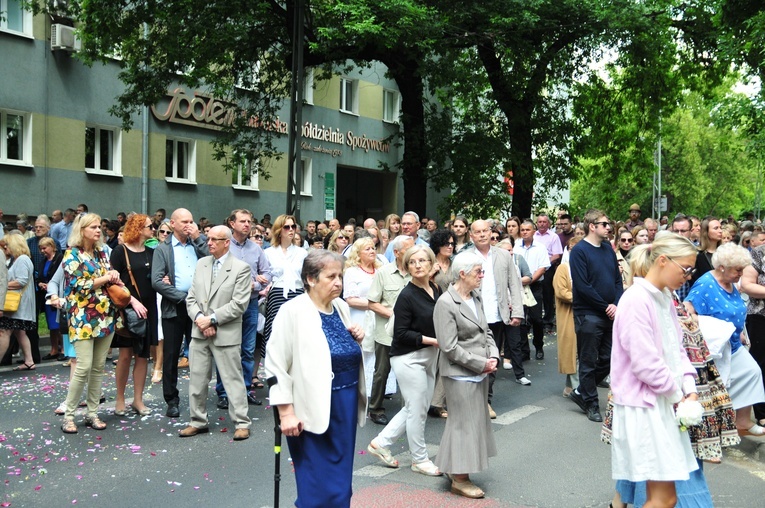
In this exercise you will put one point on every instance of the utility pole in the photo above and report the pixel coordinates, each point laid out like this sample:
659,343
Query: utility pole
294,163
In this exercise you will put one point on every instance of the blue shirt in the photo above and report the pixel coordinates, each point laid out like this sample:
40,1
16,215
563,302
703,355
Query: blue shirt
185,260
389,251
251,253
709,298
60,232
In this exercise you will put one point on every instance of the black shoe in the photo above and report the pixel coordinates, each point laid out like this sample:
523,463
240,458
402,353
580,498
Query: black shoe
222,403
49,357
577,397
62,357
604,384
379,418
540,354
526,359
173,411
253,400
593,413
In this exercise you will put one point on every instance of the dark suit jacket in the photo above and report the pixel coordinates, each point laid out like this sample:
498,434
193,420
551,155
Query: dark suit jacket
163,264
465,340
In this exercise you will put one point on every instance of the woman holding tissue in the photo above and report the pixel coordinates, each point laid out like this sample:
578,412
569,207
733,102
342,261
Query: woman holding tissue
650,372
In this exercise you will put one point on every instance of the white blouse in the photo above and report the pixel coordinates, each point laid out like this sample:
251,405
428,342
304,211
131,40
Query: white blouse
286,267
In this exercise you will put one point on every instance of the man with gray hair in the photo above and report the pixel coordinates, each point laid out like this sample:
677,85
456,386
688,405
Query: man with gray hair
652,227
410,224
389,280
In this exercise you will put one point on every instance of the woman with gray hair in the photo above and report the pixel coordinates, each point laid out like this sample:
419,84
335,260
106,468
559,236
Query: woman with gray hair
715,294
468,355
317,384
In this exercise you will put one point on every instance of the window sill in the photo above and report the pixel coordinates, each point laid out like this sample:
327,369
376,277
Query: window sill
16,164
23,35
390,122
245,188
100,172
305,194
180,181
351,113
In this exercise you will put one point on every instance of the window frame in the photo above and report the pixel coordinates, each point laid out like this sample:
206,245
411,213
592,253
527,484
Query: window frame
354,96
308,80
116,151
191,161
306,174
26,20
254,168
26,139
387,92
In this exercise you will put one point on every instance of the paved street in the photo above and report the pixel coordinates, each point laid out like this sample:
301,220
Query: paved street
550,455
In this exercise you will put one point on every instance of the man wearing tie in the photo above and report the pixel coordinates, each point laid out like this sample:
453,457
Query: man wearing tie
219,296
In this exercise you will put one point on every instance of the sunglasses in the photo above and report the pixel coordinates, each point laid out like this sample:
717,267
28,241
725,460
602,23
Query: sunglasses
289,226
258,237
628,240
495,238
603,223
164,232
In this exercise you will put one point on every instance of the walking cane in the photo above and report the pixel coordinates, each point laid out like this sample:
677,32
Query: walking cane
277,445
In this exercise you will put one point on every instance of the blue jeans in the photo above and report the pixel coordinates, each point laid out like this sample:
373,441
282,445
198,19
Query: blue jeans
249,334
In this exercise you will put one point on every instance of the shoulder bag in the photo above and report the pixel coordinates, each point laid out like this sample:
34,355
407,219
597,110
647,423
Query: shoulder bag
132,324
118,294
13,300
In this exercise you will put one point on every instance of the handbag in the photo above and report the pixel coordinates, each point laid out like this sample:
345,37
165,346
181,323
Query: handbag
13,300
132,324
528,297
118,294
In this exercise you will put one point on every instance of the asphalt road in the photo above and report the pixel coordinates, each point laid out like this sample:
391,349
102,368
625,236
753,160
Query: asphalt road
550,455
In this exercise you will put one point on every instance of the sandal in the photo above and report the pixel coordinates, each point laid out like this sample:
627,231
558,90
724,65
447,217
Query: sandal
427,468
25,366
257,383
383,454
69,427
755,430
95,423
156,376
61,409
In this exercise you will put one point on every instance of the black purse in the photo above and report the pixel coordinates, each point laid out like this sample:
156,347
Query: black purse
132,324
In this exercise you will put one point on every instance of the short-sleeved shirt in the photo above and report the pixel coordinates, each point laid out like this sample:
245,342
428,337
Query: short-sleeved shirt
386,286
535,255
710,299
550,241
757,305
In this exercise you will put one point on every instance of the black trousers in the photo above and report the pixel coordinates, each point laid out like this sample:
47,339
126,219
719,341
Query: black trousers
380,378
174,329
548,297
755,327
533,321
593,342
507,338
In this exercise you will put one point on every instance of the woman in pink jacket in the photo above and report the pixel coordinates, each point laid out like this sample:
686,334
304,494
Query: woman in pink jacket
650,372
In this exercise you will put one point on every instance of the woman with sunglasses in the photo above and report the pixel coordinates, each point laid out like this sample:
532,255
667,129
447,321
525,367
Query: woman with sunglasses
286,261
622,254
338,241
650,372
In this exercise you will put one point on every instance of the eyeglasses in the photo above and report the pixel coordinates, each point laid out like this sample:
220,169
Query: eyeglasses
449,244
418,262
289,226
150,226
495,238
258,237
687,272
217,239
164,232
628,240
603,223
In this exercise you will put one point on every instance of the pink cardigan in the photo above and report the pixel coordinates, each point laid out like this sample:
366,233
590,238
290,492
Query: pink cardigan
638,371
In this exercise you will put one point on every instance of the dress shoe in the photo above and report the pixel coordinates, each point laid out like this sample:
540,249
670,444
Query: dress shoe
379,418
61,357
467,489
577,397
593,414
492,413
540,354
604,384
241,434
183,362
253,400
193,431
173,411
222,403
50,356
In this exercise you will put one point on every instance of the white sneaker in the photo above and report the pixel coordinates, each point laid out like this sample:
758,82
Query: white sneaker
507,365
523,381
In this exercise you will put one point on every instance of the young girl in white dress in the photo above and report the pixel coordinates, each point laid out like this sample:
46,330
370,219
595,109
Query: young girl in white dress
650,373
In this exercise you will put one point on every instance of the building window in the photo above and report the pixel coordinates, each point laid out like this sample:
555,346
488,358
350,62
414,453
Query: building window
180,161
15,138
391,105
245,176
15,18
349,102
102,151
306,173
308,86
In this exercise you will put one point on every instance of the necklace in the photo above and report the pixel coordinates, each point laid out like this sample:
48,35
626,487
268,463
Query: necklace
366,271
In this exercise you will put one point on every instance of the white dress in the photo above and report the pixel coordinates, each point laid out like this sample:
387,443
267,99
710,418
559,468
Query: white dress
647,443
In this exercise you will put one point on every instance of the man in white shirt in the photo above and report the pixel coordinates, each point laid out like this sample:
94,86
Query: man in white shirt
536,257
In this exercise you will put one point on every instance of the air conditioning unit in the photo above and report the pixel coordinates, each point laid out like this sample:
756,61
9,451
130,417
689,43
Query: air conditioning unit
63,37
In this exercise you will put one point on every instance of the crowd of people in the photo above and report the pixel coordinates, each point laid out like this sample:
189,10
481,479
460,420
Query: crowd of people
667,312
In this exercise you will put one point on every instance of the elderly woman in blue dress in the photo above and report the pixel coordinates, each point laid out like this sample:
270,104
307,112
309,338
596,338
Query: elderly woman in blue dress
715,294
317,384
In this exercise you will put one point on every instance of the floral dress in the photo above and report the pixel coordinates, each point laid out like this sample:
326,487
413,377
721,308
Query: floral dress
90,312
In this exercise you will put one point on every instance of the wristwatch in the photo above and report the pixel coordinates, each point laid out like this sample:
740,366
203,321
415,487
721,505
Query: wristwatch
213,321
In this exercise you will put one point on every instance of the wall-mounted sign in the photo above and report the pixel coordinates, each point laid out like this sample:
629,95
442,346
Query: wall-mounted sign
207,112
